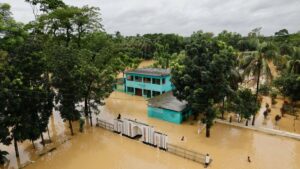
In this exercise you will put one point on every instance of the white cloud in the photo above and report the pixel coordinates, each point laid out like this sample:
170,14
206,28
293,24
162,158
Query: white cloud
185,16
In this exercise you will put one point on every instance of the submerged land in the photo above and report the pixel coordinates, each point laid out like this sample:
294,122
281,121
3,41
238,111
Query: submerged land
229,146
73,96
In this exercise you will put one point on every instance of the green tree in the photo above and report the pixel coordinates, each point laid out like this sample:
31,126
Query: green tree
32,63
255,63
201,78
126,53
245,104
97,79
293,63
282,36
5,138
230,38
248,44
12,112
66,79
12,33
46,5
282,32
74,70
26,92
162,57
289,85
70,23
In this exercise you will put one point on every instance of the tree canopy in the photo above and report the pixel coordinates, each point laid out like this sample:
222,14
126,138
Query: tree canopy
201,78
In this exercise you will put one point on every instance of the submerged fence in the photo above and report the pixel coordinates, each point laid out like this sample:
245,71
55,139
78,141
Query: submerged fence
185,153
105,125
156,139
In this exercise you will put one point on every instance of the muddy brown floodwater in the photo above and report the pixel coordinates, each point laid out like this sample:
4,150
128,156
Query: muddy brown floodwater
287,123
98,148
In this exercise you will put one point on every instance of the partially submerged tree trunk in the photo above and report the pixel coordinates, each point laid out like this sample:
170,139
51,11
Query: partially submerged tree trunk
33,144
223,108
86,107
293,109
247,122
48,133
207,131
91,117
294,113
16,148
43,140
257,90
71,127
87,110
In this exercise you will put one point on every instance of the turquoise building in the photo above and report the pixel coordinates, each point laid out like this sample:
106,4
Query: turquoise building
148,82
168,108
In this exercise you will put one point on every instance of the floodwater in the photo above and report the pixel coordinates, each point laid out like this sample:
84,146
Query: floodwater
287,123
97,148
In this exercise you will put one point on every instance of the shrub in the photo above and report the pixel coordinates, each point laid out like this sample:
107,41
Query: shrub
2,157
273,97
264,89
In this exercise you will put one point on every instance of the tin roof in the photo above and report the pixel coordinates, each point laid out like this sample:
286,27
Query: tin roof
167,101
151,71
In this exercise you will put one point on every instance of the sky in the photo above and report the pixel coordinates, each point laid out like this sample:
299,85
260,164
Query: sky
184,17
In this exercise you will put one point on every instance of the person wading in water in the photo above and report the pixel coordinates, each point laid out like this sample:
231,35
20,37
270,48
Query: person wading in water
249,160
207,160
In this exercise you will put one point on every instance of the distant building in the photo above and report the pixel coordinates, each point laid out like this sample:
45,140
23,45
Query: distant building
148,82
167,107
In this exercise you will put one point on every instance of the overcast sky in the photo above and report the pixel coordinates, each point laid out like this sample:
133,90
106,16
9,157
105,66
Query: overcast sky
183,17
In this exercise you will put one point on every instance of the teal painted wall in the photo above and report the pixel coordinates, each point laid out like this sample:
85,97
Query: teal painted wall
149,86
165,114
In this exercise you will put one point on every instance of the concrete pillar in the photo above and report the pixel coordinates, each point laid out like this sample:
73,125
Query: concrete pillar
143,86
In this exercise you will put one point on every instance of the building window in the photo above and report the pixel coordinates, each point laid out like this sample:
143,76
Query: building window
163,81
130,78
147,93
130,89
138,79
156,81
147,80
155,93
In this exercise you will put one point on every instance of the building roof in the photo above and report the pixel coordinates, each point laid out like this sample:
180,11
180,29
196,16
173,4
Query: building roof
151,71
167,101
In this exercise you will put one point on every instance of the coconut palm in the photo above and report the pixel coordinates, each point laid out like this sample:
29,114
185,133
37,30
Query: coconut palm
293,65
255,63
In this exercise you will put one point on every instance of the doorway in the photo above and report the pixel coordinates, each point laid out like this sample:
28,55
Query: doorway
138,92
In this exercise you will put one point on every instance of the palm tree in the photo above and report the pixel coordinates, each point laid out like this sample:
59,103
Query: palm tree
293,64
255,63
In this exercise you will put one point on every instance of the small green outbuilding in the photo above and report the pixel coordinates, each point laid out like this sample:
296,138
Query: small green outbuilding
168,108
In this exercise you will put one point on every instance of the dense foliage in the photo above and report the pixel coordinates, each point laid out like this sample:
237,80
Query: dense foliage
245,104
65,60
202,77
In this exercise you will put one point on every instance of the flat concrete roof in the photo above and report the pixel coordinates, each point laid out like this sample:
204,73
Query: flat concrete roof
151,71
167,101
